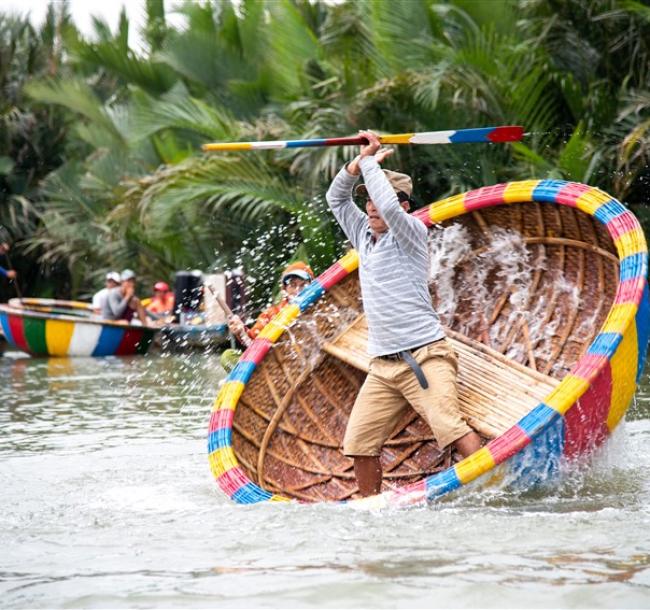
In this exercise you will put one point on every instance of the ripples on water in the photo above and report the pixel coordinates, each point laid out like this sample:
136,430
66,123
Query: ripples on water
107,501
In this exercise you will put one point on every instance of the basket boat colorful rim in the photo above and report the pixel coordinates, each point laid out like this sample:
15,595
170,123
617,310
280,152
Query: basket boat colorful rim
62,328
46,304
78,309
604,379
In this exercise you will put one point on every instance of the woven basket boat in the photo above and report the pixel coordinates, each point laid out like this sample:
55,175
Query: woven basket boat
546,303
49,327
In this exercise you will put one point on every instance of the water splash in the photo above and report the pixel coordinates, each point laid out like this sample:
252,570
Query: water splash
503,293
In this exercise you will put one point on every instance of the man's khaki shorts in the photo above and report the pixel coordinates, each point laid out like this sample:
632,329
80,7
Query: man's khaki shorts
391,385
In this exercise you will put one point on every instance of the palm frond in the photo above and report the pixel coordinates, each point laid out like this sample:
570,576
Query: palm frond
291,45
179,111
155,28
202,58
348,43
122,62
575,158
401,33
78,97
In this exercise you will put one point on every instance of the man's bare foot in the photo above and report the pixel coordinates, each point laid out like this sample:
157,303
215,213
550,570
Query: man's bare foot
468,444
367,470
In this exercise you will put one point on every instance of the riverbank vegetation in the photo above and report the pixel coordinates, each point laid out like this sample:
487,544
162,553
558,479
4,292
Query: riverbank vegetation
100,159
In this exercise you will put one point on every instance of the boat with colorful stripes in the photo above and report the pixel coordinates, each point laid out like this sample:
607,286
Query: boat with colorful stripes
542,287
49,327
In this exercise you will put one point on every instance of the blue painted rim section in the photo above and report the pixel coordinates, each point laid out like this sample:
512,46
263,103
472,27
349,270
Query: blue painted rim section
535,421
109,340
4,320
219,439
539,461
633,266
441,483
251,494
310,295
608,211
642,330
605,344
471,135
242,372
546,191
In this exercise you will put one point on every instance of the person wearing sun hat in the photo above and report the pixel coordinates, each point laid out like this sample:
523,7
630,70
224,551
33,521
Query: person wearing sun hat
293,279
411,361
299,270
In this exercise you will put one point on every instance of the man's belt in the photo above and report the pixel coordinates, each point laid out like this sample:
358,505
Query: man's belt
407,356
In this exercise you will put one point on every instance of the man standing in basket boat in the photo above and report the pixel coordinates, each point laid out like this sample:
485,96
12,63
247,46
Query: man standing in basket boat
411,360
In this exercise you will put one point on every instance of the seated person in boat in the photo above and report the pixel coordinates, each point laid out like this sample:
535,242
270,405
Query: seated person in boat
112,281
162,302
412,362
121,303
294,278
10,274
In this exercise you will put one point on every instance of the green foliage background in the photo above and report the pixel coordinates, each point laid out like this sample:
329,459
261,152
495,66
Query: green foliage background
100,160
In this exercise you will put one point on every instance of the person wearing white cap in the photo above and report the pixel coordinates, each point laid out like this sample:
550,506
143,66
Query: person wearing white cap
112,281
121,303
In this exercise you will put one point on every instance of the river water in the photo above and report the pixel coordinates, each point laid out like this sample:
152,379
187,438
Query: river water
107,501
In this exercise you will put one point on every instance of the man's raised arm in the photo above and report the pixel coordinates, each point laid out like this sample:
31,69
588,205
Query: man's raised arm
339,197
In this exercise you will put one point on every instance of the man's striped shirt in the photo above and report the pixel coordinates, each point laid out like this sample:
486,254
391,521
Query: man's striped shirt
393,270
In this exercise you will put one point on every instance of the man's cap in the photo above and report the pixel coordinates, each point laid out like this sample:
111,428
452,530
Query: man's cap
298,269
128,274
114,276
399,182
162,286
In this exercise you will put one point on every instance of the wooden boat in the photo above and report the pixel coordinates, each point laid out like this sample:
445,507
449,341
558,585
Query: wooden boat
186,337
49,327
201,323
551,343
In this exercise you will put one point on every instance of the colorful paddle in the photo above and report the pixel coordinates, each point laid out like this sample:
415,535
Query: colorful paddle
505,133
244,338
